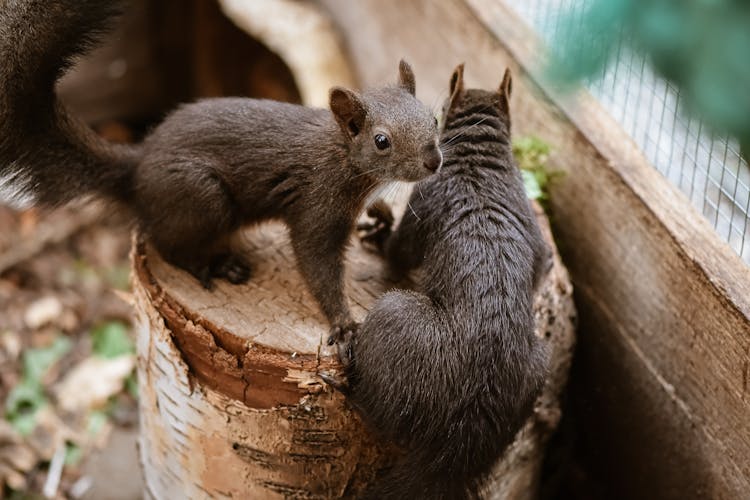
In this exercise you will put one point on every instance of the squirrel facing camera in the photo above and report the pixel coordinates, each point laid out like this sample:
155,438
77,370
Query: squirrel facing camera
450,371
213,166
389,131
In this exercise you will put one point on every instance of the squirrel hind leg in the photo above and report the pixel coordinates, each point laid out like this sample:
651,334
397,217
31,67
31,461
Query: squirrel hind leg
230,267
220,265
196,264
206,262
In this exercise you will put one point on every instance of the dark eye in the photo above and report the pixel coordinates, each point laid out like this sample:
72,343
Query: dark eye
436,122
382,142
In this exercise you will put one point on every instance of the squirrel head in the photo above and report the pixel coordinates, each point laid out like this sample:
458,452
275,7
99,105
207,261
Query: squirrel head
391,136
462,101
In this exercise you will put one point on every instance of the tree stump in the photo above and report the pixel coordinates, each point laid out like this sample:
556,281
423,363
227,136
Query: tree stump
231,404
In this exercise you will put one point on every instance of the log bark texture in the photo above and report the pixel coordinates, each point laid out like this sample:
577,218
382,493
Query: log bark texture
231,402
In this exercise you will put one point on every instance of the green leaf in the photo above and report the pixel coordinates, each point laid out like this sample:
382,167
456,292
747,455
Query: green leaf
532,154
530,182
36,362
111,340
131,384
23,403
24,424
27,397
95,422
73,453
25,394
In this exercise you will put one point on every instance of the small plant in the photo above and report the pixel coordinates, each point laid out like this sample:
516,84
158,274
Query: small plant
28,396
111,340
532,154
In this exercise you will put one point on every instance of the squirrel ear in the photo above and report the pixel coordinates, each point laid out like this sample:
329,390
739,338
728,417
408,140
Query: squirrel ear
348,110
457,83
506,86
505,89
406,77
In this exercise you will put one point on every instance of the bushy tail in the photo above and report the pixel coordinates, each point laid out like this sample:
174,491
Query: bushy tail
47,156
414,478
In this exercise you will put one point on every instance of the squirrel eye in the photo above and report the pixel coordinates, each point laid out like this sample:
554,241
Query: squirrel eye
436,121
382,142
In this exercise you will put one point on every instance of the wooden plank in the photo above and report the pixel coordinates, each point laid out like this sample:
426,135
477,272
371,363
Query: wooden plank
663,300
675,294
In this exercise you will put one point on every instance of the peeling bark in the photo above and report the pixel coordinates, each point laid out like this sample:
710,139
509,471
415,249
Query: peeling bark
231,401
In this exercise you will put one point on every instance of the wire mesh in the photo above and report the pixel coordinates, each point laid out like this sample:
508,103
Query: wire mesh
709,169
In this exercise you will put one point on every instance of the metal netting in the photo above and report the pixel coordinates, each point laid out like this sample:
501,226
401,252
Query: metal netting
709,169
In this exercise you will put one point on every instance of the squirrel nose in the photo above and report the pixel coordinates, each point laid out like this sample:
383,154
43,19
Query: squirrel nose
434,160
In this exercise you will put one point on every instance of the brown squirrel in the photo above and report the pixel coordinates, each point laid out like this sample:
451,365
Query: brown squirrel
450,372
210,167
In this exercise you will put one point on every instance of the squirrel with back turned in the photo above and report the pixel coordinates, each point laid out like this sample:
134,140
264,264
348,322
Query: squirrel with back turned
450,372
210,167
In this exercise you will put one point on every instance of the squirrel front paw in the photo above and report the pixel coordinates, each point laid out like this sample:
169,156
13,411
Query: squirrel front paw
376,232
343,332
337,381
341,335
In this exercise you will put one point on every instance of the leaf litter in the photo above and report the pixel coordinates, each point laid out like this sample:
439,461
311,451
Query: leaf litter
67,355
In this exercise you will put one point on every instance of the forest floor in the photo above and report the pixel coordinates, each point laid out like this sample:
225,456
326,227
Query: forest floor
67,357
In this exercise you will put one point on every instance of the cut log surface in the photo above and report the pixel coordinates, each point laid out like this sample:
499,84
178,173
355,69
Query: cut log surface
232,405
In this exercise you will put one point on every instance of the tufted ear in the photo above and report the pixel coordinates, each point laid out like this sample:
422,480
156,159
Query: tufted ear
406,77
457,84
349,111
504,91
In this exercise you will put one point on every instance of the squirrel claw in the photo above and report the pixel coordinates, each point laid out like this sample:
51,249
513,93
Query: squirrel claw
222,266
376,233
381,211
205,278
341,333
338,382
346,354
343,337
231,268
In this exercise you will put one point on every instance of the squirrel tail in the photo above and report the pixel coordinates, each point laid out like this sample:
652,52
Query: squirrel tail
416,477
47,156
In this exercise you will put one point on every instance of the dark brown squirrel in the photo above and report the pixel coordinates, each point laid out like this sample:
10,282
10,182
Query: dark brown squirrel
210,167
450,372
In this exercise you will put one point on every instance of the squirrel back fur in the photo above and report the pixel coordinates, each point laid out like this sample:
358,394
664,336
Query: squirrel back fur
451,371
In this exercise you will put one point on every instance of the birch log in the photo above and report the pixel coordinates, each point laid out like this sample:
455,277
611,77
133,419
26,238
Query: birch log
231,404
